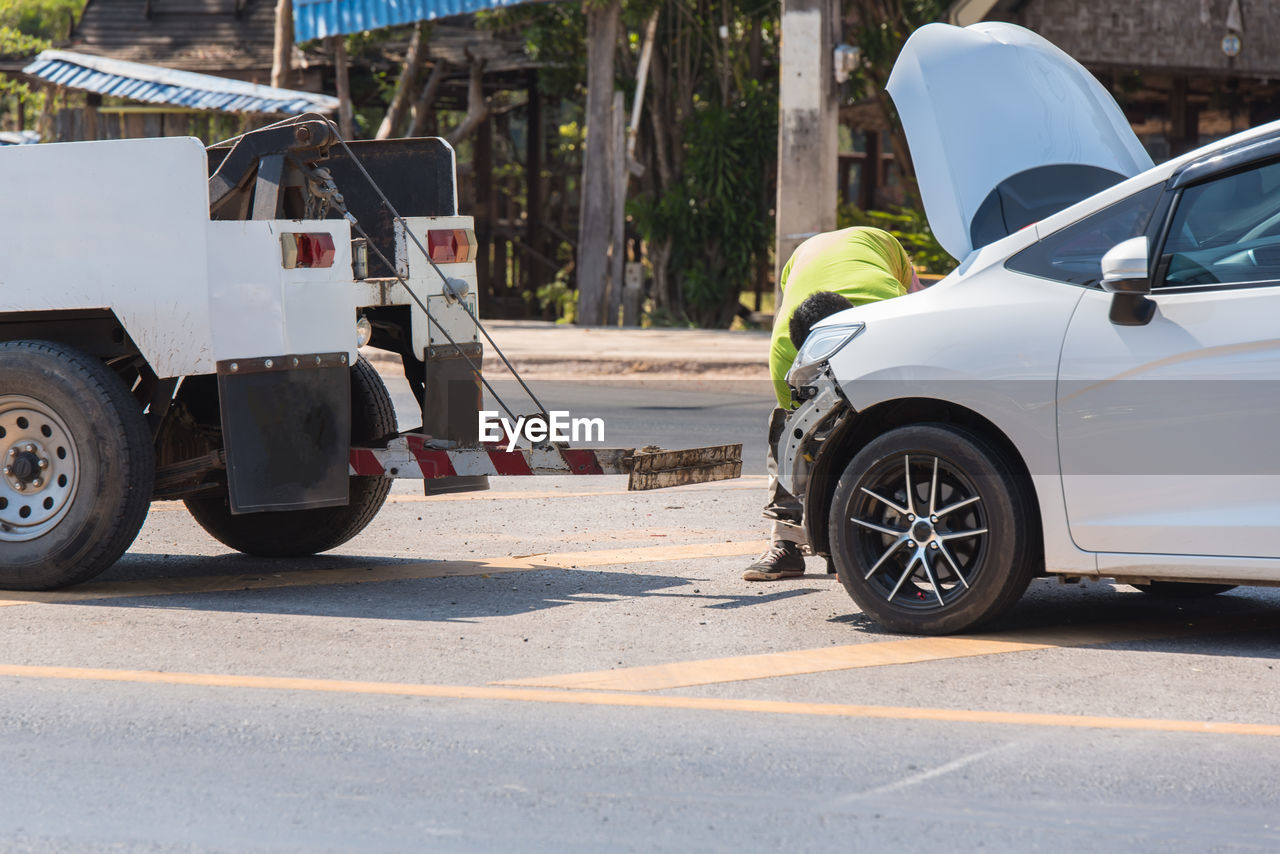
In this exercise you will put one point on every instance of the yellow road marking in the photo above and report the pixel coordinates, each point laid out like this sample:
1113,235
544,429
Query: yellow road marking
684,674
392,572
652,701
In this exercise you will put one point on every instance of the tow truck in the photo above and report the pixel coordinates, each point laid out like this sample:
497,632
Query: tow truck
183,322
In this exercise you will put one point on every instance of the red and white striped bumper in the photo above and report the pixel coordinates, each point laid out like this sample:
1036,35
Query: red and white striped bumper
408,456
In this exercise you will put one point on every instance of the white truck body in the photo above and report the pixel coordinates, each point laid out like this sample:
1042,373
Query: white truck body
134,237
183,322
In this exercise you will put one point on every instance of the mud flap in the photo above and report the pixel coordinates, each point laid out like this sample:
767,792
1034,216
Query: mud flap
451,401
287,431
662,469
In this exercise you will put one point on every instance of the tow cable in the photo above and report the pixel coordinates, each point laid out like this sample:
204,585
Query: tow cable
330,193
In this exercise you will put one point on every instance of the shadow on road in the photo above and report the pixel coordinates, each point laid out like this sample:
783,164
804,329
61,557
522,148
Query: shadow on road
1244,622
374,588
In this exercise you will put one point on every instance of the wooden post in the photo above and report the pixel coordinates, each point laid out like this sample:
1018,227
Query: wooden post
619,248
642,78
342,81
399,105
44,119
1184,120
596,212
533,177
282,57
482,181
869,185
500,204
92,101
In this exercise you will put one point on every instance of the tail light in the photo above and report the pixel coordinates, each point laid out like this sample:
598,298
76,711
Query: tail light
306,250
451,245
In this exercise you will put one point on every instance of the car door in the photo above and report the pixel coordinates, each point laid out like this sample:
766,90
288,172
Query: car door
1168,431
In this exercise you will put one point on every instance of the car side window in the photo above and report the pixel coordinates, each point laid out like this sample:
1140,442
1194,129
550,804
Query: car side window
1074,254
1225,232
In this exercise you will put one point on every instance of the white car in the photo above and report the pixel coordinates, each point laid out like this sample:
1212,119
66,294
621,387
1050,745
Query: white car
1092,393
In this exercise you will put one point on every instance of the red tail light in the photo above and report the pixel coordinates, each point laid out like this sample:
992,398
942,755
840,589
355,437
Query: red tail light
451,245
306,250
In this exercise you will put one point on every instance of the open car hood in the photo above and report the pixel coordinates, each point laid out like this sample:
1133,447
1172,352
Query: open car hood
1005,129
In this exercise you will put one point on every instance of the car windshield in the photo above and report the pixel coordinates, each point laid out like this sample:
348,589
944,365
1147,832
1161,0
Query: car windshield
1074,254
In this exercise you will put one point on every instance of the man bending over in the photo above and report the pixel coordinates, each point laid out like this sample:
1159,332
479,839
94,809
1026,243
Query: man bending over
826,274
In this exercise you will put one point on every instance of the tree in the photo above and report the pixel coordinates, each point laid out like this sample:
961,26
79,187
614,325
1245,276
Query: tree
709,146
707,142
880,28
50,20
16,45
594,229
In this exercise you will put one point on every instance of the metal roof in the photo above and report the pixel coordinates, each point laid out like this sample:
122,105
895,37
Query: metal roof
154,85
21,137
314,19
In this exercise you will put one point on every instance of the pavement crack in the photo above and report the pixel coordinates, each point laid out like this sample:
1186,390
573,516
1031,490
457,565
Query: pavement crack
924,776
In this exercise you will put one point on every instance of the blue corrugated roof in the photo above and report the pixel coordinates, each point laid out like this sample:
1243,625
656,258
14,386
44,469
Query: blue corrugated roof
154,85
314,19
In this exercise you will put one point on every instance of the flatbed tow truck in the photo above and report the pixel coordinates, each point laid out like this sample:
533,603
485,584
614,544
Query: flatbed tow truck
179,322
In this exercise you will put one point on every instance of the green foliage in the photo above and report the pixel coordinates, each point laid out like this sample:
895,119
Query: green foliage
555,36
879,28
50,20
711,215
28,27
17,45
559,297
910,228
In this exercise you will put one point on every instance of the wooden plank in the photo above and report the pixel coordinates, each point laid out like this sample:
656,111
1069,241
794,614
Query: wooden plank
641,481
664,469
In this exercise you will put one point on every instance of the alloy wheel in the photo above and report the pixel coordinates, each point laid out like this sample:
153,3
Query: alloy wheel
919,531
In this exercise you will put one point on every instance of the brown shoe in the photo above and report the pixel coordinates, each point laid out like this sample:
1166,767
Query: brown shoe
783,559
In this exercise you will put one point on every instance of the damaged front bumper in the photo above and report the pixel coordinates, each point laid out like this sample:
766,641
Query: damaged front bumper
805,430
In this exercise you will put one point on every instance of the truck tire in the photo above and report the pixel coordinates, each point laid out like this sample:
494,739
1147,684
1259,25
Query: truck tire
294,533
78,466
931,532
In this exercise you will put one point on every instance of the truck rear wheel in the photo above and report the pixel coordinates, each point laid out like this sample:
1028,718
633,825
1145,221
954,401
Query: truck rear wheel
76,466
294,533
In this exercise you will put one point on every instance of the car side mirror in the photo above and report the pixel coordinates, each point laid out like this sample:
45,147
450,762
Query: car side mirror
1125,276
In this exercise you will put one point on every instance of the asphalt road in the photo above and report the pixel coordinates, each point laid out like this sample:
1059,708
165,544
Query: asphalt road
558,665
671,413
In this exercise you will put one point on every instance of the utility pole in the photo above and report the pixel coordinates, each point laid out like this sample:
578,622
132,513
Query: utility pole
808,121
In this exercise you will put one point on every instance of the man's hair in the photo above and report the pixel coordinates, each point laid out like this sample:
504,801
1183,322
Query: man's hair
821,305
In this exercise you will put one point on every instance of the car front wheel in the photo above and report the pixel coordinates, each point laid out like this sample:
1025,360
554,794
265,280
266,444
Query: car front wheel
930,530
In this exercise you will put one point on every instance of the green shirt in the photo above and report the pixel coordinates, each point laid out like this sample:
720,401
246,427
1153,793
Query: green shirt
862,264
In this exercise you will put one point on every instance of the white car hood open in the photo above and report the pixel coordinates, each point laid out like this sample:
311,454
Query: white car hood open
1005,129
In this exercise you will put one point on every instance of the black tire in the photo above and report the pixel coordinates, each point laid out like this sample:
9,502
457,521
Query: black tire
76,442
294,533
959,580
1183,589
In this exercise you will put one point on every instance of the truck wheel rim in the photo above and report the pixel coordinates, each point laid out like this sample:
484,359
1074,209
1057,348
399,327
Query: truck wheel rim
39,469
919,532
